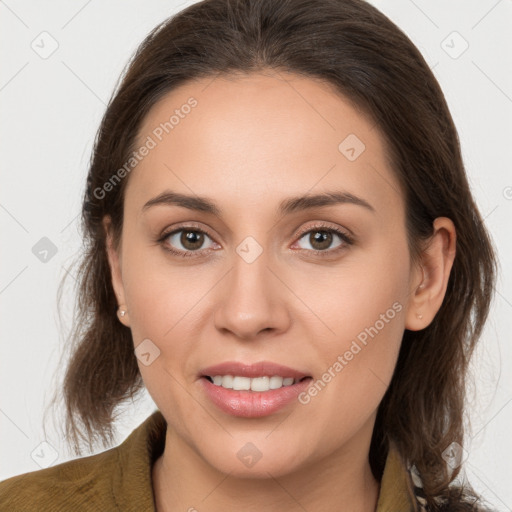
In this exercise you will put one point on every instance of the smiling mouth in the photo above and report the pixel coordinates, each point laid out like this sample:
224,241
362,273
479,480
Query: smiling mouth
257,384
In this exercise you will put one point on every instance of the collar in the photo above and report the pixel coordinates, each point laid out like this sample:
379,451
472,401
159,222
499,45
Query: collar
397,492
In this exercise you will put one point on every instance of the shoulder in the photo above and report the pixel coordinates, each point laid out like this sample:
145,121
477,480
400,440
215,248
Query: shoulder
116,479
83,483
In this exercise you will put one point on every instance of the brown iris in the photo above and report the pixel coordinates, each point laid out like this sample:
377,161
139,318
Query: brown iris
322,237
192,240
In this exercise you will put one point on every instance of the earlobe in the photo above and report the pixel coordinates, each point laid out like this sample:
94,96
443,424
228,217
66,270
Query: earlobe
122,314
115,272
431,279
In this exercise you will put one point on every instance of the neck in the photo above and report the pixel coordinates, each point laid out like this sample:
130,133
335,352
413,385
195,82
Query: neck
182,480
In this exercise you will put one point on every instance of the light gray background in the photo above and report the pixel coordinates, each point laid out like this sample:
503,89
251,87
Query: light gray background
51,108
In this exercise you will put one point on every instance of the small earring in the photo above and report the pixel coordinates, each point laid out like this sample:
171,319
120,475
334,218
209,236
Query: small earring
419,316
121,312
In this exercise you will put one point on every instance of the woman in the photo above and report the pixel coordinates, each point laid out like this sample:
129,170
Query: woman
283,248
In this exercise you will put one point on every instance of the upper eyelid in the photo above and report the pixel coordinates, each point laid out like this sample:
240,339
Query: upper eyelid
190,226
323,225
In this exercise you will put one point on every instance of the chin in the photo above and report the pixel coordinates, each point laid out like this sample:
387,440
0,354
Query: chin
246,460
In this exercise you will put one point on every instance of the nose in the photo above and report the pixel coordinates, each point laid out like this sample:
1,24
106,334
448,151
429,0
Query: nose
252,299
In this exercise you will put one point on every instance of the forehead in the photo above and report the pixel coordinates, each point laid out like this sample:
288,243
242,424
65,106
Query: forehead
261,137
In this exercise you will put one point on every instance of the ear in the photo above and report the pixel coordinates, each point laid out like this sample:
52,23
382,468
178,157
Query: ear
430,283
114,260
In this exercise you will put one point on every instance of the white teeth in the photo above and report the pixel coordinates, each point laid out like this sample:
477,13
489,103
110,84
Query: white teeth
241,383
260,384
257,384
217,380
276,382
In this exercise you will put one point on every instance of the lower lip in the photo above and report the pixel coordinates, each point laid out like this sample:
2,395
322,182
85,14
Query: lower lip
253,404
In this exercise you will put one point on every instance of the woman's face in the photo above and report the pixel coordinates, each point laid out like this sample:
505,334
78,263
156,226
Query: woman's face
261,275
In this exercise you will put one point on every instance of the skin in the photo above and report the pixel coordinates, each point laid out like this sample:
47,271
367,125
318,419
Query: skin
252,141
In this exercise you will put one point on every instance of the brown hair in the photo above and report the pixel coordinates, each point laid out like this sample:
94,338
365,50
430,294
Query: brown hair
352,46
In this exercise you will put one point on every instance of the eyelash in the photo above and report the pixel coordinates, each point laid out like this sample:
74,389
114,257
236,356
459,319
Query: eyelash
346,239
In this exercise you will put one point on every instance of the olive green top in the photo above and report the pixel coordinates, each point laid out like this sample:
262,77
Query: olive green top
120,479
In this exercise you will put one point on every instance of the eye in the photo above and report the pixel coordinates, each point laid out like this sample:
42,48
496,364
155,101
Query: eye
186,241
321,238
189,241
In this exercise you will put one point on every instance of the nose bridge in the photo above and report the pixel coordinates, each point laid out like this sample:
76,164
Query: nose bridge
249,281
251,300
252,258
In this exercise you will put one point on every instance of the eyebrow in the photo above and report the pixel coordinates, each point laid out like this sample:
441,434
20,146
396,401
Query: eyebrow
286,207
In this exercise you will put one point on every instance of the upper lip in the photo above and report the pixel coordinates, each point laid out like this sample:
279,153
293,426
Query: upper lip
259,369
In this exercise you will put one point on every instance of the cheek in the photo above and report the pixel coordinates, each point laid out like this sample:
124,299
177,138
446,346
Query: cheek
368,289
158,294
166,304
161,303
365,311
356,373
